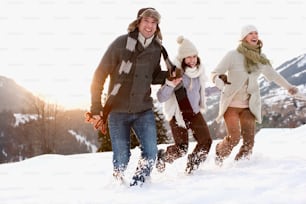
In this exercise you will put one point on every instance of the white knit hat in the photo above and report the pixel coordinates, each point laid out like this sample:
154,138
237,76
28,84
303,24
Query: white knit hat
186,48
246,30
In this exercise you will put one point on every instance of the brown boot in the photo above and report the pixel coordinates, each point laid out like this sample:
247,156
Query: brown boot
218,158
244,152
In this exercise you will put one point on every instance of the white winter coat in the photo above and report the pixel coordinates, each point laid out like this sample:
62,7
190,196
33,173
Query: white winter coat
233,65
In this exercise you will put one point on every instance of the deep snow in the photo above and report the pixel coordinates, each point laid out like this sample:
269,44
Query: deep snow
276,173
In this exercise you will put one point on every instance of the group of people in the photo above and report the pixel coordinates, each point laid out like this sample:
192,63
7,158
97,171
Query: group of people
132,62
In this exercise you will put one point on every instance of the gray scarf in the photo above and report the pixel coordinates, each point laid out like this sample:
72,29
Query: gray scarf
127,61
124,70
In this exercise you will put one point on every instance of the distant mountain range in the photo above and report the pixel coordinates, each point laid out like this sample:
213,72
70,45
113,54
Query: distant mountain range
13,96
293,71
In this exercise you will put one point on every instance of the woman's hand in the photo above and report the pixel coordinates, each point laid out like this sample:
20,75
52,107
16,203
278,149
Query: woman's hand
223,77
220,81
293,90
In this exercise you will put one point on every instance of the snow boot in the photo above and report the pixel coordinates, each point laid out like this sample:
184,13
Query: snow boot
161,163
245,152
119,177
137,180
191,163
194,161
218,159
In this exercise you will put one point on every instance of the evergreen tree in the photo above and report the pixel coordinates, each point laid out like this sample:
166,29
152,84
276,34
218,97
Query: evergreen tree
105,142
160,126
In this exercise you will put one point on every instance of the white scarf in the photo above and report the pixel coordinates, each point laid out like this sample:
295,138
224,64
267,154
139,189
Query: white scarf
194,73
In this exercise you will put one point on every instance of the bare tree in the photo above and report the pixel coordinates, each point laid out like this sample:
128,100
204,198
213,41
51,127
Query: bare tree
46,127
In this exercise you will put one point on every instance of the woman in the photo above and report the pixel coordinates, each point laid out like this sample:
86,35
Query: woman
240,103
184,110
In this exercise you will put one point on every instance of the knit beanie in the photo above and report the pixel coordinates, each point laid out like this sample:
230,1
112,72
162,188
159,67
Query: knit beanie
146,12
246,30
186,48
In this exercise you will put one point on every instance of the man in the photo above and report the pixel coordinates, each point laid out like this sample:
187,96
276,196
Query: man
132,62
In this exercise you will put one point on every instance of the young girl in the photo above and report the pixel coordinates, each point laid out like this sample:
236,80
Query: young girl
240,102
184,110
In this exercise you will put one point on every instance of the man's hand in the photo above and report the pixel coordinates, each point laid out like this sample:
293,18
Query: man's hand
96,121
178,73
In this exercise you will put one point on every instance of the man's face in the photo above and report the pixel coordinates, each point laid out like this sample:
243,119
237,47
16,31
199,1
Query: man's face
147,26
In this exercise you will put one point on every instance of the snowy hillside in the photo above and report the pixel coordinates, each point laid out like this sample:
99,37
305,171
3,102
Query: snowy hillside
293,70
275,174
14,97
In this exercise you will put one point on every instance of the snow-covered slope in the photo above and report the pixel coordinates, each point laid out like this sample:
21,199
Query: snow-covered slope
275,174
293,70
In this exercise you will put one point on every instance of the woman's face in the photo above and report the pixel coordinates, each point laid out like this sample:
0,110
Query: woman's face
191,61
252,38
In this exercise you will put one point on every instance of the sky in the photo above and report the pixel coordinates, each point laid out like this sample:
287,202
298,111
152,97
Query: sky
274,174
52,47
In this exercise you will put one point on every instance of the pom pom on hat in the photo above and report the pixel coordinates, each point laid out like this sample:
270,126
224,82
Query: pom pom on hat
180,39
246,30
186,48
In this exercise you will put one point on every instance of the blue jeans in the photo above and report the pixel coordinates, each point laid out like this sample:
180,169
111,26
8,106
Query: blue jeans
144,126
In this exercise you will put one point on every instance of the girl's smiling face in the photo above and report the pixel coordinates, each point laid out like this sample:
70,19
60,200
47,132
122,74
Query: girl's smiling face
191,61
